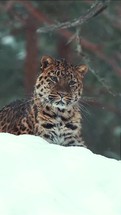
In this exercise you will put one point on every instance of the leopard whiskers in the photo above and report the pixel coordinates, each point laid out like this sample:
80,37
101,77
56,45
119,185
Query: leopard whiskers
85,112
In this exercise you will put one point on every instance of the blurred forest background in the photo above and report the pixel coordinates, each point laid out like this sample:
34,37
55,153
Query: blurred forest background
96,42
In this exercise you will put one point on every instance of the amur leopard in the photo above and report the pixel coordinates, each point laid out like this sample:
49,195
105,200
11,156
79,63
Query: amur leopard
53,111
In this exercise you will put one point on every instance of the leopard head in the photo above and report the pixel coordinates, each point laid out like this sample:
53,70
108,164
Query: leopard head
59,84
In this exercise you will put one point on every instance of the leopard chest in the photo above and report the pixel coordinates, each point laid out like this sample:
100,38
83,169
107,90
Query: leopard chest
58,128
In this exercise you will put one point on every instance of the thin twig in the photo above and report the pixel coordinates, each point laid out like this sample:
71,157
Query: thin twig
81,54
103,83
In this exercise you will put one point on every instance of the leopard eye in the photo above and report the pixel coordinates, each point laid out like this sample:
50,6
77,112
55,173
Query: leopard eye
54,79
72,82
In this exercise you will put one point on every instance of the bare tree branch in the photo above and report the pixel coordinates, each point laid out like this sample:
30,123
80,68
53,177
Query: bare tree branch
96,8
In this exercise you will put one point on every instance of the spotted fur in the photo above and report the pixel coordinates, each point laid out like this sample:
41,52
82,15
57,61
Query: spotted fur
53,111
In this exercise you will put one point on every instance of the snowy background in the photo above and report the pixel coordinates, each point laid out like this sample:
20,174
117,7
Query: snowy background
40,178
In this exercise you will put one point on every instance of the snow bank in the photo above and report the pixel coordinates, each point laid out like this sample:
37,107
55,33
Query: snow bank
37,178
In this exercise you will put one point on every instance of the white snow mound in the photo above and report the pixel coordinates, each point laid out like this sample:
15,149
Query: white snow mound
38,178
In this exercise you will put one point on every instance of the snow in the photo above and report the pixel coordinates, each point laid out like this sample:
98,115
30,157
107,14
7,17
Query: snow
41,178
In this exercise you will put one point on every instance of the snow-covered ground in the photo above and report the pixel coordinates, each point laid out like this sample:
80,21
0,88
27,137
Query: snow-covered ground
37,178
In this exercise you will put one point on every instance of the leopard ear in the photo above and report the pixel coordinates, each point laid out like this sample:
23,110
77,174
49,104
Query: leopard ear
82,69
46,61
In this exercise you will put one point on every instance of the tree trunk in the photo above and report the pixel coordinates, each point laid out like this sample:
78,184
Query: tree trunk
31,61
